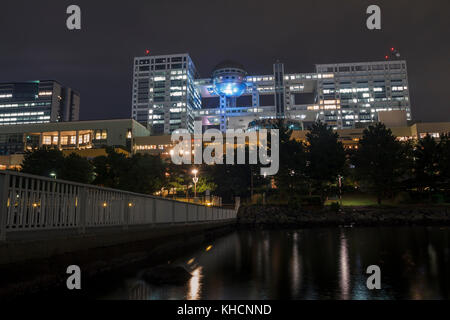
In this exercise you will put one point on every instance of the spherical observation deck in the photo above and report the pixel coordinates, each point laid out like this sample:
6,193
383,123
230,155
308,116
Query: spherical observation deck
229,79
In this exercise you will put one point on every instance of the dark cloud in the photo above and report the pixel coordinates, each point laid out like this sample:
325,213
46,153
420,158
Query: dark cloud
97,61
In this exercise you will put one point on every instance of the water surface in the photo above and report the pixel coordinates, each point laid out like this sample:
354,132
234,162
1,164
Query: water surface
325,263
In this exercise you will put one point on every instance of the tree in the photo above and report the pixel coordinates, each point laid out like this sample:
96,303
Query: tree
426,164
326,157
235,180
380,160
110,169
139,173
50,162
205,183
444,160
291,178
77,168
46,162
145,174
231,179
177,179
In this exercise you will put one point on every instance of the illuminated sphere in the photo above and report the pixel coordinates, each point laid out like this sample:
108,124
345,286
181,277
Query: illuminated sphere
229,79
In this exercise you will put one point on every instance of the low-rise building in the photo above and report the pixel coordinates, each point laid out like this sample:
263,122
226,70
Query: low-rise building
88,138
162,145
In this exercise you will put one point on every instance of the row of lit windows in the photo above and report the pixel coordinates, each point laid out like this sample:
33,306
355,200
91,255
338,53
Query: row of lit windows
18,119
22,122
253,79
292,77
15,105
153,147
45,93
100,134
359,68
21,114
266,89
49,140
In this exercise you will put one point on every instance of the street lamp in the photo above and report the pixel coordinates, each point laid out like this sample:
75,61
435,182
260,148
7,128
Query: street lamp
195,179
53,175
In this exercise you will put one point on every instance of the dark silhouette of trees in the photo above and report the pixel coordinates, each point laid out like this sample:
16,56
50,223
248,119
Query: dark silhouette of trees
43,162
138,173
145,174
380,160
77,168
110,169
325,156
381,163
444,161
291,178
50,162
426,163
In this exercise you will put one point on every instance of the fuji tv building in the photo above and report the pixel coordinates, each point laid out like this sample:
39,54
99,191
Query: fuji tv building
168,95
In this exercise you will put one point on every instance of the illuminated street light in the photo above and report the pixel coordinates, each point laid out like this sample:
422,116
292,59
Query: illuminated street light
53,175
195,179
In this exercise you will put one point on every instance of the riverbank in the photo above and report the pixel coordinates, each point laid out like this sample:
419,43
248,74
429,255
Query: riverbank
283,216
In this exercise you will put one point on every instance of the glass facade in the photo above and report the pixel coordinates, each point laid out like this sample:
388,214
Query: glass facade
37,102
167,95
164,93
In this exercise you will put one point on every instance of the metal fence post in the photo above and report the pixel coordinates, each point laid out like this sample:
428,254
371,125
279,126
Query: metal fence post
173,212
126,213
83,203
154,211
4,184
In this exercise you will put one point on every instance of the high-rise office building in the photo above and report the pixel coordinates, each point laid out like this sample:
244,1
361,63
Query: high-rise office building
37,102
166,96
358,91
164,93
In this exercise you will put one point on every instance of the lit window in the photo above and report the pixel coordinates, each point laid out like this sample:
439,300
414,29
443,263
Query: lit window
47,140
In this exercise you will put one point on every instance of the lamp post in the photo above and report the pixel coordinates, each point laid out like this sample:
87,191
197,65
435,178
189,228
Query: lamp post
195,179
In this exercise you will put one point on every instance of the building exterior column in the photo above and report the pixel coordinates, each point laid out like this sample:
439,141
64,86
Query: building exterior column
59,139
24,141
41,138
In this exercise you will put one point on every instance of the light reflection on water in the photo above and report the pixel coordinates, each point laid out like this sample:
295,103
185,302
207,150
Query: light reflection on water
326,263
195,284
344,278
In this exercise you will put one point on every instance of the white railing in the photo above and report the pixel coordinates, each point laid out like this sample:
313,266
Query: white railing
32,203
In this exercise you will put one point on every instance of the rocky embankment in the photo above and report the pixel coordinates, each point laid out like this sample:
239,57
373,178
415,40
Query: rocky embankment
283,216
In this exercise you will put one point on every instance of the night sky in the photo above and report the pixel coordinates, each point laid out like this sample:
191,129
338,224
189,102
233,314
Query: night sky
97,60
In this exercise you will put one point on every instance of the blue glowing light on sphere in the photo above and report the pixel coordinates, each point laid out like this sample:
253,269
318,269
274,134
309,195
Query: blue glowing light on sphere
229,88
229,79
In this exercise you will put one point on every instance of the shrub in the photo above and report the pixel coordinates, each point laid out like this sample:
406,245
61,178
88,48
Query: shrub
402,197
437,198
335,206
295,202
312,201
